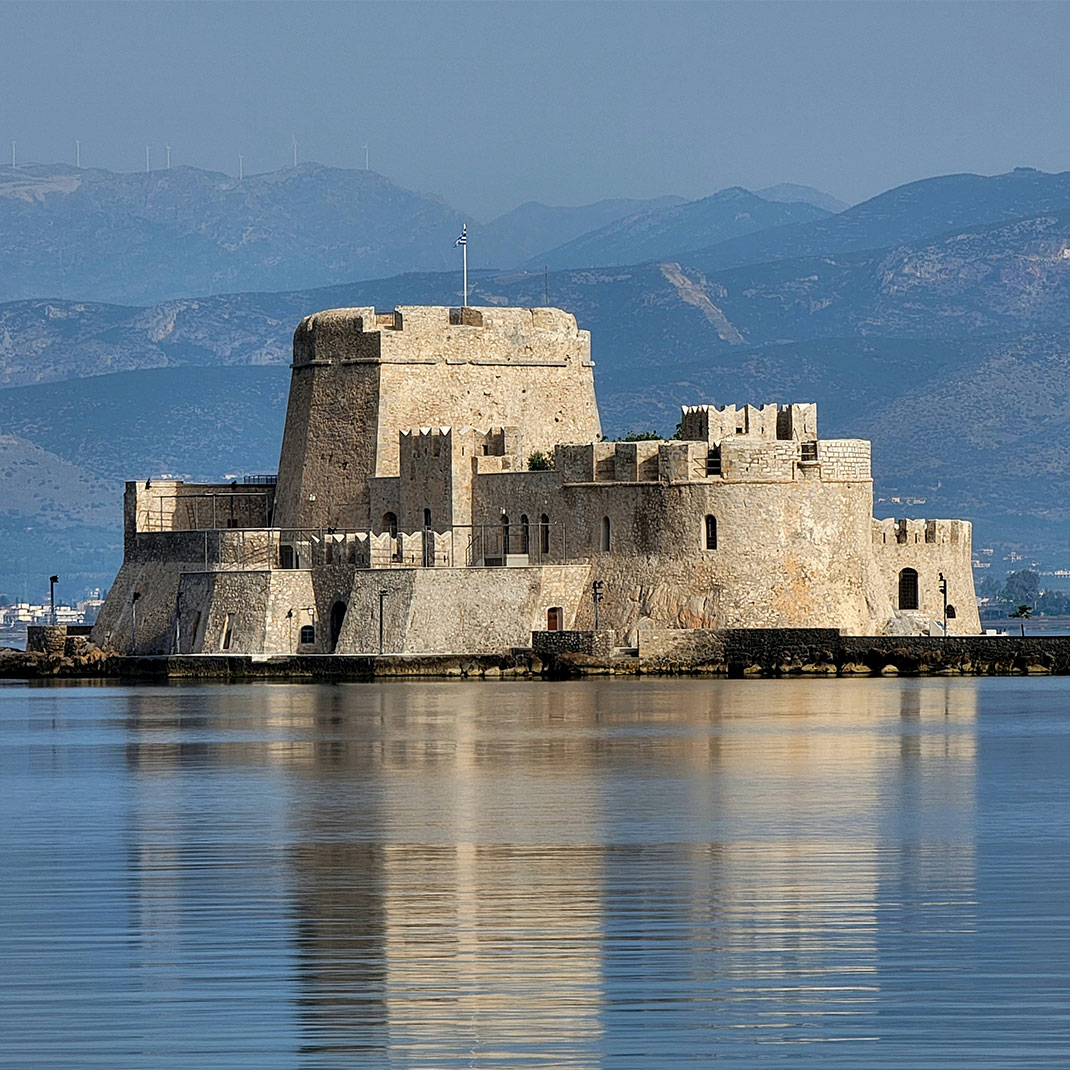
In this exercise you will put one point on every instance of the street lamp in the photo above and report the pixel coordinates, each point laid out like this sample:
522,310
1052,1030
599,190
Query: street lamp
943,591
52,581
596,598
382,599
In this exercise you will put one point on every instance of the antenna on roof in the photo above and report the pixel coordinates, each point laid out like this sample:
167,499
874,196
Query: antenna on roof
365,157
241,167
77,153
146,159
293,144
168,147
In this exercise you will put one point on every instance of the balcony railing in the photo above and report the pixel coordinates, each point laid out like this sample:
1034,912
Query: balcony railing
463,546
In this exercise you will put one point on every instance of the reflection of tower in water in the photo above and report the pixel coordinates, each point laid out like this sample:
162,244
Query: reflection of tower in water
449,879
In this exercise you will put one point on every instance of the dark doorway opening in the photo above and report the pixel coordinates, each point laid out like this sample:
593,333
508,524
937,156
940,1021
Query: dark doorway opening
908,589
338,615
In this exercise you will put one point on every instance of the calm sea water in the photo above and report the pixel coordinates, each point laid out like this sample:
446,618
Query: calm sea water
853,873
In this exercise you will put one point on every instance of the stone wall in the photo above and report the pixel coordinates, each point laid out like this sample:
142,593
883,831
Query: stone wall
787,554
548,645
471,610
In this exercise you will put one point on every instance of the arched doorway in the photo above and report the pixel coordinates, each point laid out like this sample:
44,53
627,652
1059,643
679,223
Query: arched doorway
908,589
338,615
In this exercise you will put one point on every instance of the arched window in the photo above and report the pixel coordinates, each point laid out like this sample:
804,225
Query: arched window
286,556
308,634
525,535
554,618
711,532
390,524
544,535
427,518
338,615
605,534
908,589
951,614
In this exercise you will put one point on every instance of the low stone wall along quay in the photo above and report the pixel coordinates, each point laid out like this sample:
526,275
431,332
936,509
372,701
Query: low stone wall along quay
757,652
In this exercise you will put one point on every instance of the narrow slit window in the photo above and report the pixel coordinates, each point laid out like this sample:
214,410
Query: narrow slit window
711,532
606,531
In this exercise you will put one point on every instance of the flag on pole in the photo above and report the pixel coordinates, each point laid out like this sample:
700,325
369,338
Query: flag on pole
462,241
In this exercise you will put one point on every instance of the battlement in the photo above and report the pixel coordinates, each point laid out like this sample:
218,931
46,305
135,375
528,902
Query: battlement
713,424
425,442
739,459
433,334
910,532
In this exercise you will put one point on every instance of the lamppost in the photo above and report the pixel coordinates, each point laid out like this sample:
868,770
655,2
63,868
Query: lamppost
596,598
52,581
943,591
382,599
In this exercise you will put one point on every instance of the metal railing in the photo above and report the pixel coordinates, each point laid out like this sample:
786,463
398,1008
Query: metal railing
463,546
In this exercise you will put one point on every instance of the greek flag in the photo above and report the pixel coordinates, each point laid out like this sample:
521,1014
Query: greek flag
463,239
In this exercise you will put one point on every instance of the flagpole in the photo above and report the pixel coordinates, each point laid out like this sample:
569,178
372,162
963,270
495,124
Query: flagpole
465,250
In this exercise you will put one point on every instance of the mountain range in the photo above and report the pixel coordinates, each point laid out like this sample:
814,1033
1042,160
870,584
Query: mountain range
932,319
144,237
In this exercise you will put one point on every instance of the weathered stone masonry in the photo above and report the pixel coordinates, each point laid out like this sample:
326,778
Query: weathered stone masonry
405,518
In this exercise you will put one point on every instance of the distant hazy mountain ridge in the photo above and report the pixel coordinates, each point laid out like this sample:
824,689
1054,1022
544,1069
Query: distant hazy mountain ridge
672,229
145,237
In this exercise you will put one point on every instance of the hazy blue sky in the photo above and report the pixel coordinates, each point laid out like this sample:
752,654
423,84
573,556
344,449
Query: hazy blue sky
491,104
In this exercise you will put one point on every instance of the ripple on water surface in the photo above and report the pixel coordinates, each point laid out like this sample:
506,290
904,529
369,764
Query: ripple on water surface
629,873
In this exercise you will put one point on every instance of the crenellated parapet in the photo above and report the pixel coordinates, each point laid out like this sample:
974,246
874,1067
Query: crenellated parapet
713,424
434,334
911,532
740,459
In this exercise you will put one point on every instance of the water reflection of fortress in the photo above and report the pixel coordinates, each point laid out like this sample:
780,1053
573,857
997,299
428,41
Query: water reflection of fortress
482,871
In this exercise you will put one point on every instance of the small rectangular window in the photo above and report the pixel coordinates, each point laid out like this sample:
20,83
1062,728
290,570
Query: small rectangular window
808,451
228,632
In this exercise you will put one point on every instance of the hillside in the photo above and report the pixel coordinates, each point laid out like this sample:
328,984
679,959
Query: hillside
97,235
789,191
908,213
533,228
667,230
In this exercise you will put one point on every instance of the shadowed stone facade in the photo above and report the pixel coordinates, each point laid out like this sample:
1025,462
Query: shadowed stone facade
405,518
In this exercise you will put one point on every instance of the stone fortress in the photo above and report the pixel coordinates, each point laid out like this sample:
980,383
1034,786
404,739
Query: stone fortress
444,488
